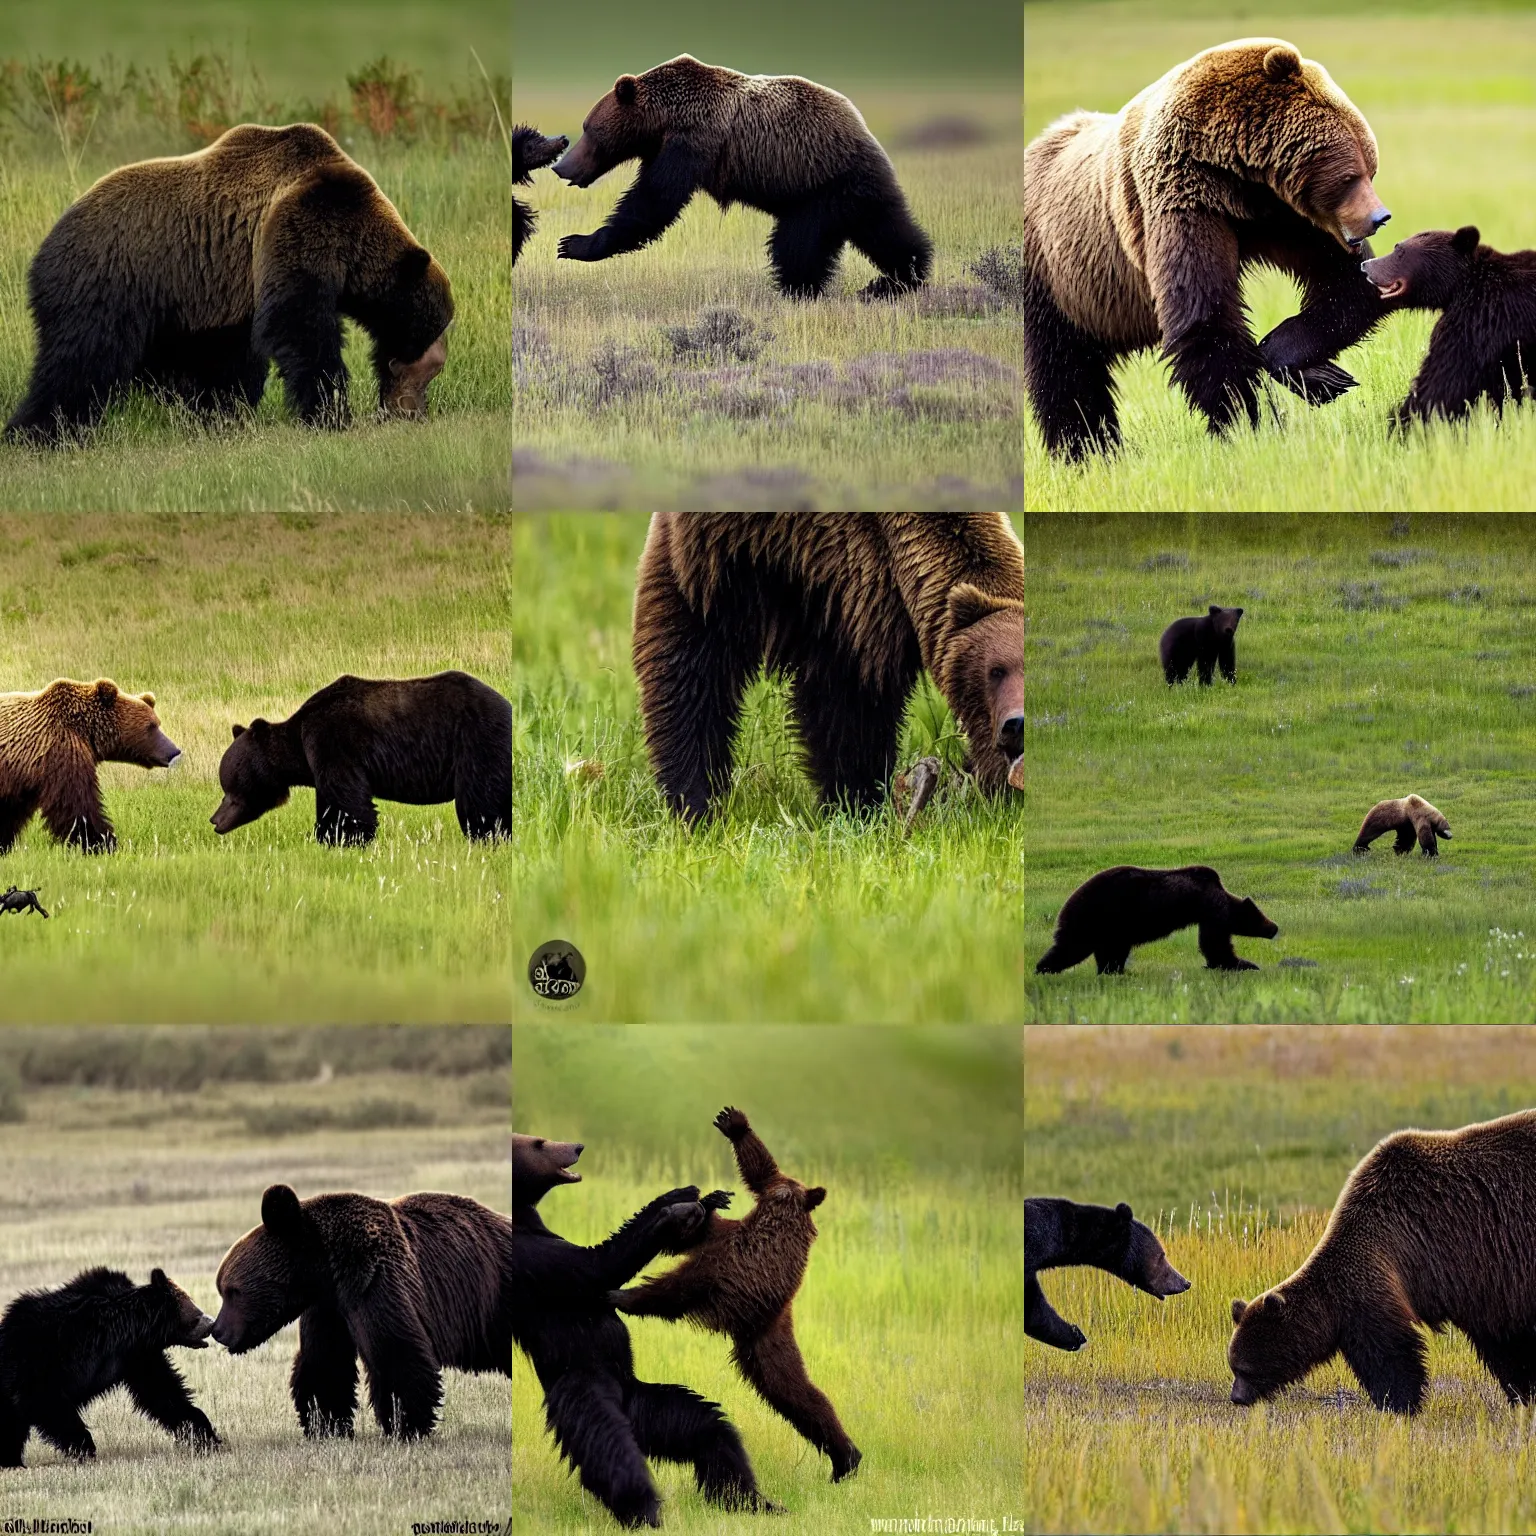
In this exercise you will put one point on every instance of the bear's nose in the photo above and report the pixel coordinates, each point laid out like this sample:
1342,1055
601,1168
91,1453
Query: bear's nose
1379,218
1010,735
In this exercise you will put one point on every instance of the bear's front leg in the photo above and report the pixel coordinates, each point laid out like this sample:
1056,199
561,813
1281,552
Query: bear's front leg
298,326
323,1381
1043,1322
344,810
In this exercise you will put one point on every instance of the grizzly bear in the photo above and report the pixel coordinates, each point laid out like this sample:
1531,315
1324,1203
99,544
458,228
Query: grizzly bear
1115,910
1201,643
1058,1233
62,1349
1411,817
414,1286
741,1279
530,151
1431,1228
606,1422
1137,228
50,744
785,146
1485,342
190,275
855,606
420,741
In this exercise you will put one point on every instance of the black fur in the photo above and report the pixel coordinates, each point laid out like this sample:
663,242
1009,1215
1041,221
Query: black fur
530,151
21,901
1201,642
1058,1233
61,1349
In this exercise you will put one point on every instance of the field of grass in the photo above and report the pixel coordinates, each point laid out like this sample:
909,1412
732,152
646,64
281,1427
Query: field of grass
1375,658
909,1315
278,63
138,1177
1234,1143
771,911
1450,93
224,618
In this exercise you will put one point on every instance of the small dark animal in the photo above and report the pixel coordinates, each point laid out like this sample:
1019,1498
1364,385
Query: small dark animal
21,901
1485,342
1411,818
1058,1233
741,1280
530,151
62,1349
1117,909
1201,643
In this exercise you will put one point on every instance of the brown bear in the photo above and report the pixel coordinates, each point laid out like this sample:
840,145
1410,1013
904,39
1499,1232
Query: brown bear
1431,1228
1411,817
855,606
191,274
741,1278
785,146
530,151
1201,643
413,1286
50,744
1115,910
1138,225
1485,341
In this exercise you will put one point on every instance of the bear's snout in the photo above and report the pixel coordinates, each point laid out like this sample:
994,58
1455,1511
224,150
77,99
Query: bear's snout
1010,736
578,166
197,1335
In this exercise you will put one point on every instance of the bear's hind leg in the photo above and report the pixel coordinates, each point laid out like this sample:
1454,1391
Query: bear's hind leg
675,1424
60,1424
15,812
1067,374
585,1413
14,1430
803,249
85,359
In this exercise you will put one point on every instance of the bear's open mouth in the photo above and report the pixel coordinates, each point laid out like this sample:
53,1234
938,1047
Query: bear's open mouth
1393,290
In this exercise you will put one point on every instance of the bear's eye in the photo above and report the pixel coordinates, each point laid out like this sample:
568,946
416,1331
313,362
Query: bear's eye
998,673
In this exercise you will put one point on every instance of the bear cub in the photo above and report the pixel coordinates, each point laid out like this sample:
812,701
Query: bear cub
61,1349
1058,1233
530,151
1412,817
1201,643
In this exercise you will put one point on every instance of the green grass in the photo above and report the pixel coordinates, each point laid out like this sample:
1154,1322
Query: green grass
908,1317
1235,1143
772,910
1450,93
916,403
1374,659
133,1179
224,618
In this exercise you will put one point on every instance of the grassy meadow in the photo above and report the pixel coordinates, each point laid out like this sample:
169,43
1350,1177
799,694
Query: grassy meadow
1233,1144
909,1315
87,87
1375,658
224,618
1450,93
136,1149
772,910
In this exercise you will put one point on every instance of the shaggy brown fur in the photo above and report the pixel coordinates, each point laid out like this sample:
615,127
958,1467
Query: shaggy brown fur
1411,817
1137,227
413,1285
191,274
855,606
1432,1228
50,744
741,1280
786,146
530,151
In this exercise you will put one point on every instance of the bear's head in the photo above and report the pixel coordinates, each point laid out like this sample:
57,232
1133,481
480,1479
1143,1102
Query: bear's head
1224,620
1418,806
251,776
1428,270
271,1274
408,318
1276,1342
1147,1266
118,727
1247,921
1256,109
189,1324
633,119
538,1165
983,679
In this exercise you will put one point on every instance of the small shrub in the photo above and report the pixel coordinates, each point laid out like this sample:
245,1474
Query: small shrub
722,334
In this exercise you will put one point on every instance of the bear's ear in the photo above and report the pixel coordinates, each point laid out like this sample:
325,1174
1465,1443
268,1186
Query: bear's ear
237,733
1466,240
157,1277
1238,1308
413,265
106,691
625,90
1123,1211
149,699
814,1197
1282,63
968,605
1214,610
280,1213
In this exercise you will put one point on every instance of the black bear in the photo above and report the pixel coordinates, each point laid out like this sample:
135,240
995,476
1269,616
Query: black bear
530,151
61,1349
606,1422
190,275
1411,818
1115,910
413,1285
1058,1233
50,744
419,741
16,900
1432,1228
855,606
1485,342
1201,642
741,1277
785,146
